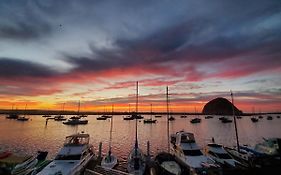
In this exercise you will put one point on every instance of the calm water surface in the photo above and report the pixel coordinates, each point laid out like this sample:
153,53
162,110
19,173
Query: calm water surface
28,137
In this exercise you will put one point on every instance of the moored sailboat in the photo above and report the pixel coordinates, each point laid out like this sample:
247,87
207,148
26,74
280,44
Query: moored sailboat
136,160
150,120
110,160
166,163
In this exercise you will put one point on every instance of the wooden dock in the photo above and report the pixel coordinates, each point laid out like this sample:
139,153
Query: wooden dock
98,170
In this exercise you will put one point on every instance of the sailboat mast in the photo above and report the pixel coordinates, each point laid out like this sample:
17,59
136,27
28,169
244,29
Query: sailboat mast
137,100
150,111
168,126
110,135
62,108
78,108
233,113
25,110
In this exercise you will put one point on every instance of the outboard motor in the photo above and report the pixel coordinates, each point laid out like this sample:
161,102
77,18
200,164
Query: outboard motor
42,155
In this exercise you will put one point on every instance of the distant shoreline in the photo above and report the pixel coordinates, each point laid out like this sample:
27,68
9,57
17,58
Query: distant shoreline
42,112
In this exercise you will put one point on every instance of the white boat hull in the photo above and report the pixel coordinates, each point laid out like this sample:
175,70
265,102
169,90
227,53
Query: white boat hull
131,162
109,163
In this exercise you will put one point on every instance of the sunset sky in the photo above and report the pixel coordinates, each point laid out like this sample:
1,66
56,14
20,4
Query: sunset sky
62,51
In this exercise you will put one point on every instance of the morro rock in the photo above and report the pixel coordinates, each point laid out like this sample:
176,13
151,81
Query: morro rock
220,106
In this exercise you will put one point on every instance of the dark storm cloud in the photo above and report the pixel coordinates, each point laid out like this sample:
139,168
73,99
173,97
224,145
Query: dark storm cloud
225,30
20,20
14,68
153,34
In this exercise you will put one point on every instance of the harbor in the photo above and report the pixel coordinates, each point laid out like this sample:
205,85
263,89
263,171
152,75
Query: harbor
20,138
158,87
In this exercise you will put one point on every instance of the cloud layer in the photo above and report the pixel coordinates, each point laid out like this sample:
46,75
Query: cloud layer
156,42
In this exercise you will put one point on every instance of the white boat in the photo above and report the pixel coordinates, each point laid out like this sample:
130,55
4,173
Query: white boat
74,121
221,156
188,153
25,167
136,159
72,158
110,160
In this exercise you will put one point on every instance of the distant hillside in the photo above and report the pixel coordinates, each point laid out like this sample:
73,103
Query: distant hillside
220,106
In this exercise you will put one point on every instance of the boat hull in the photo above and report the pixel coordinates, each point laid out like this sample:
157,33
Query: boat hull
109,162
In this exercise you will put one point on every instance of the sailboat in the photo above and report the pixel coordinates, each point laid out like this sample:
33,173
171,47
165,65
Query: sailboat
165,162
60,117
150,120
12,114
128,117
136,159
241,155
23,118
76,120
109,161
196,119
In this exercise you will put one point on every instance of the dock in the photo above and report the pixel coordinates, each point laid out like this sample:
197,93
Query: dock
98,170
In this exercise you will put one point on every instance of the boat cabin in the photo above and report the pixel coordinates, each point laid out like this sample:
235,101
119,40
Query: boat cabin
77,139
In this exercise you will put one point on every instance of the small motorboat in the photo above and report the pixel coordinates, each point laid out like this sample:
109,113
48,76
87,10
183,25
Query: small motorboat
221,156
107,116
183,116
158,116
171,118
166,164
128,118
101,118
29,165
208,117
46,116
76,122
226,120
189,154
23,118
260,117
60,118
195,120
254,119
269,118
149,120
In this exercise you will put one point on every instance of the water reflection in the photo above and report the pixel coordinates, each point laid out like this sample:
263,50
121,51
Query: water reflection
28,137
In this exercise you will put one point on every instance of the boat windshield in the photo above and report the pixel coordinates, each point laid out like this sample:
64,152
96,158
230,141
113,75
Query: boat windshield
76,140
68,157
192,152
187,139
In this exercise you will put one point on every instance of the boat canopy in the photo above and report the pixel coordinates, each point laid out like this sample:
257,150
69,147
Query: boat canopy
77,139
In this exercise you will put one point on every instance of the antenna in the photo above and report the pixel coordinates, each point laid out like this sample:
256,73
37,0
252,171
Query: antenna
233,113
